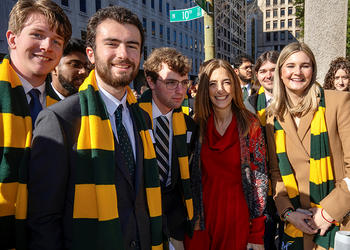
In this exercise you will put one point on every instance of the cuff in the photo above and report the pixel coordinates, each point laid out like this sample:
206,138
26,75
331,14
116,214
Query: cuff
257,230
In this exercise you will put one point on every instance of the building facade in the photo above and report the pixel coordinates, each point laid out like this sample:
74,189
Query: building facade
274,24
186,37
230,28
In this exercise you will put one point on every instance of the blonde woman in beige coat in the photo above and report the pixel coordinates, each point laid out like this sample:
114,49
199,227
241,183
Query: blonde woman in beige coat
296,99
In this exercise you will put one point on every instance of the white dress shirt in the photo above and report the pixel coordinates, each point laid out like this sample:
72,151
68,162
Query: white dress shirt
57,93
111,104
28,87
156,113
249,88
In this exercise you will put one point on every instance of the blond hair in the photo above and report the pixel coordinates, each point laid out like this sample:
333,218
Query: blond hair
57,19
281,102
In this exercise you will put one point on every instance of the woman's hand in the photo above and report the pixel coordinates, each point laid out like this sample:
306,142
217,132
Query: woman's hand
303,222
318,221
251,246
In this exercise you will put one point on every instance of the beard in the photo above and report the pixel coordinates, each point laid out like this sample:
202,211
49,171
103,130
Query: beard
69,85
244,78
104,71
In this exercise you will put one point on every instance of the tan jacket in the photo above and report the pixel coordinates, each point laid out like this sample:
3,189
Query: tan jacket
337,203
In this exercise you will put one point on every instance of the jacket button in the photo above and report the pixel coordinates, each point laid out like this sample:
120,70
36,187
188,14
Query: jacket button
133,244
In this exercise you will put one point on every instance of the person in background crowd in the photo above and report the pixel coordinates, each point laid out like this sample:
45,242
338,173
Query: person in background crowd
166,72
307,133
264,71
71,71
338,75
243,67
232,161
93,177
37,33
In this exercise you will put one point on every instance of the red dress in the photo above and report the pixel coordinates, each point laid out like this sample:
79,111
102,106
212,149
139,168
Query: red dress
227,223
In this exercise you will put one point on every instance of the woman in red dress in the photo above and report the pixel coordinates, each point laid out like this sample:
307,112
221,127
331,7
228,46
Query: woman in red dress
232,161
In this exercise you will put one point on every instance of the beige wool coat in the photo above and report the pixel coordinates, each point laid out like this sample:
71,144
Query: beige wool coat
336,203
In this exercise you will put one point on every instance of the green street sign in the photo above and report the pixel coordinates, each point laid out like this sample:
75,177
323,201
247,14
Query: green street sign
186,14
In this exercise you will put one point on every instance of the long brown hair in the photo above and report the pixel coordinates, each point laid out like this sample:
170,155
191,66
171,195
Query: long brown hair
203,106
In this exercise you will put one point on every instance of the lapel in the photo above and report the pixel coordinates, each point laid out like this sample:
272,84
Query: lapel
120,163
291,132
139,157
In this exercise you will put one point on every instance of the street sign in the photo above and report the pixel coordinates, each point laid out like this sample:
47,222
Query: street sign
186,14
202,4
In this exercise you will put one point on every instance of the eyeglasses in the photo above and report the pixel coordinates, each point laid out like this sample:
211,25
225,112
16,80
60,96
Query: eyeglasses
247,67
172,84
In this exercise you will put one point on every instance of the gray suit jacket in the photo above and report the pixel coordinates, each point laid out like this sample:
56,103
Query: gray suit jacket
51,188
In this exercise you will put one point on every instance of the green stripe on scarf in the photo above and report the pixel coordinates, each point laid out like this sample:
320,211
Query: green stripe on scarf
321,176
261,106
96,223
15,142
180,133
185,106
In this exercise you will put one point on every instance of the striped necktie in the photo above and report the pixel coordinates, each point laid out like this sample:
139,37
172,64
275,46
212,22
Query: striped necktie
34,104
124,142
162,147
245,93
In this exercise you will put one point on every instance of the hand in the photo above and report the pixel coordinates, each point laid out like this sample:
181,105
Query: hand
196,225
255,246
302,222
318,221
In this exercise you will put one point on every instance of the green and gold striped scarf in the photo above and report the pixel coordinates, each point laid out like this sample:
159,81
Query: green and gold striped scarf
15,143
185,106
180,135
95,214
321,176
261,106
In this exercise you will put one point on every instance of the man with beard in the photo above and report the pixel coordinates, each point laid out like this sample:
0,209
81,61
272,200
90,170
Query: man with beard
244,69
93,177
71,71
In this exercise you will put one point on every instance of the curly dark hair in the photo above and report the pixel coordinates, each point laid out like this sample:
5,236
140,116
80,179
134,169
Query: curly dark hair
334,66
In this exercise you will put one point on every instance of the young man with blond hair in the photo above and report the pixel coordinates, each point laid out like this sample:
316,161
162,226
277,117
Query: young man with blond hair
37,33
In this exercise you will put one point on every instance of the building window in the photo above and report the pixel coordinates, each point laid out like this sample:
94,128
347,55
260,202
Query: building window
274,2
290,1
174,36
275,24
144,1
268,13
168,34
268,3
283,11
297,34
200,45
83,6
195,44
275,12
180,38
98,4
167,9
290,11
290,23
195,25
65,3
145,53
83,35
282,36
152,4
268,37
153,28
282,24
144,24
275,36
200,27
160,5
186,41
161,31
283,1
290,36
297,22
267,25
191,43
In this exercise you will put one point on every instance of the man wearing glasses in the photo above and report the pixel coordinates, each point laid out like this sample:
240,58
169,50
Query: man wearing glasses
166,72
244,69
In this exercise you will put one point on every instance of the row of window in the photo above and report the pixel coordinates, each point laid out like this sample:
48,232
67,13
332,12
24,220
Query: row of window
275,2
273,36
282,12
282,24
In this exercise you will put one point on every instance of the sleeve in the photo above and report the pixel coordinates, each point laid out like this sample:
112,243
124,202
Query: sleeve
47,183
341,193
280,194
257,230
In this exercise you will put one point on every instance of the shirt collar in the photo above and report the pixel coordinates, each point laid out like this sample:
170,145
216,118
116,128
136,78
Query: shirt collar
57,93
156,112
246,86
28,87
110,101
